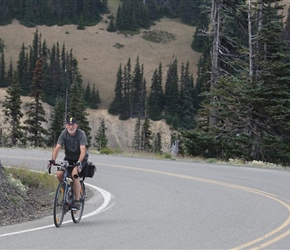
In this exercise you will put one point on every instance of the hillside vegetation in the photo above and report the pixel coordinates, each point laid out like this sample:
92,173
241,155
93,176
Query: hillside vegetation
99,58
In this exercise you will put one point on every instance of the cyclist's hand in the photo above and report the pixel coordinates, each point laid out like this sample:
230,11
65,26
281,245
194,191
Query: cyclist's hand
79,166
51,162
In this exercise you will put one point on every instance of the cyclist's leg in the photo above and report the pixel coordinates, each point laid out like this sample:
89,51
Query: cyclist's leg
77,185
59,175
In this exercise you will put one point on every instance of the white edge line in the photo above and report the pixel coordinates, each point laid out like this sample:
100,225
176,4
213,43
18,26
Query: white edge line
107,198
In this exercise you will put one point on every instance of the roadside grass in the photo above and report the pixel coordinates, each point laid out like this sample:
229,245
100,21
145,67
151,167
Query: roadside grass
23,178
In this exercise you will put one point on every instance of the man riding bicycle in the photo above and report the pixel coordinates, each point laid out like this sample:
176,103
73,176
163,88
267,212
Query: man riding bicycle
75,143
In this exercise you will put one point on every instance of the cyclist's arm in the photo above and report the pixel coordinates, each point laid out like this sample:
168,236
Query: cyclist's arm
83,150
55,151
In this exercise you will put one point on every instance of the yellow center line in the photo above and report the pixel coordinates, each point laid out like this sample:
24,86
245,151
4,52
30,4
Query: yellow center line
225,184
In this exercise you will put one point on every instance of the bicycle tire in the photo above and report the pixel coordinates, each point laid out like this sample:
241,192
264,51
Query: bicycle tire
76,215
59,205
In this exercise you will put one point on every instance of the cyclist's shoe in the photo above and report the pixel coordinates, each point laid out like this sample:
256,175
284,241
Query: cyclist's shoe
76,205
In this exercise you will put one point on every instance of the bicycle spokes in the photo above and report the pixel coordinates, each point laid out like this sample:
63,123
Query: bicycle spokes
59,205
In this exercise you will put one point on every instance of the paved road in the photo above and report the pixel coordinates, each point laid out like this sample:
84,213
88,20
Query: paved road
142,203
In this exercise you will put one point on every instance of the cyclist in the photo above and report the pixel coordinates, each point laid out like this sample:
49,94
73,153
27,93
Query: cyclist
75,145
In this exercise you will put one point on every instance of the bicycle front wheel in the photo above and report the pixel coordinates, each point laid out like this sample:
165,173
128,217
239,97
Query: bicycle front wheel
76,215
59,205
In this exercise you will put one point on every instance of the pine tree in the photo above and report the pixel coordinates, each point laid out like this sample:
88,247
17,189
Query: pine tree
120,19
3,81
187,95
29,16
95,99
112,26
143,97
81,25
22,70
136,91
136,143
157,144
57,122
154,104
36,113
127,92
10,74
77,109
12,113
87,95
171,93
118,102
146,136
100,138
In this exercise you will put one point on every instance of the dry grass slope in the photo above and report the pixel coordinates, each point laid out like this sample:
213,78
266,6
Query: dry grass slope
100,53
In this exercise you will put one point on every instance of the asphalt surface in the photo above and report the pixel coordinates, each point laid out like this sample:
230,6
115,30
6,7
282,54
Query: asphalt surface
142,203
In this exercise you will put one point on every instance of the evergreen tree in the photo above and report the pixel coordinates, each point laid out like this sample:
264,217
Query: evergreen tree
112,26
157,144
136,143
200,38
95,99
171,93
12,113
87,95
152,10
187,95
3,81
36,113
29,16
136,91
6,15
146,136
142,109
143,17
57,122
154,104
117,104
22,70
81,25
10,74
100,138
127,92
287,28
120,19
77,109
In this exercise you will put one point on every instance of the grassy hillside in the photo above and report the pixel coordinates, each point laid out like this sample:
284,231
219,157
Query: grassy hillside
100,53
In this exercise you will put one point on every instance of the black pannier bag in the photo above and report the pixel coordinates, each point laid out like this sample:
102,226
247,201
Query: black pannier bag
88,170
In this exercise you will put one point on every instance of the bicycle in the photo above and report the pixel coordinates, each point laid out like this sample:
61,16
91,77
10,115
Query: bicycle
64,196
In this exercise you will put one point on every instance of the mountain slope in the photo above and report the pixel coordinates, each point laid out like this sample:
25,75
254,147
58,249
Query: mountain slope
98,53
99,58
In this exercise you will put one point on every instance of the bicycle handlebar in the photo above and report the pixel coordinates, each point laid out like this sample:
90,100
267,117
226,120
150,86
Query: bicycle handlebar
63,164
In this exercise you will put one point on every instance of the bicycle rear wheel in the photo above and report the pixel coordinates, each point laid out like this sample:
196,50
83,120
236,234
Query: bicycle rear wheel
76,215
59,203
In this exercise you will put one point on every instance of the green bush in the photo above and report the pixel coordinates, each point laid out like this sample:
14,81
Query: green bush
106,151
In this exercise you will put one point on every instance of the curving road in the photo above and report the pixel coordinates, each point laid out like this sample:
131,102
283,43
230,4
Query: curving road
142,203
